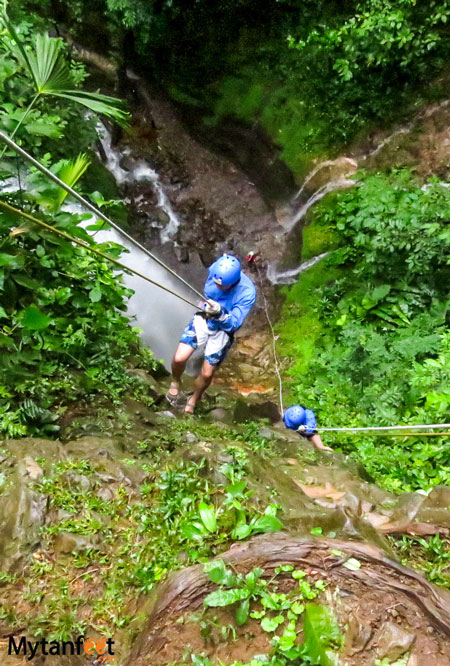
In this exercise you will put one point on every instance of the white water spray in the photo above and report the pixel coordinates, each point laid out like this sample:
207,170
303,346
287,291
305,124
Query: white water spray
161,316
289,276
139,172
348,162
340,184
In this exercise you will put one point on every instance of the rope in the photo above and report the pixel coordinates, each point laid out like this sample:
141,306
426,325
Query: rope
93,209
398,427
94,250
274,344
403,434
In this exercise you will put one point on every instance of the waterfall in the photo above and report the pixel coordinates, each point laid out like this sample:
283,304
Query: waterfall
339,162
139,172
161,316
341,183
387,140
288,276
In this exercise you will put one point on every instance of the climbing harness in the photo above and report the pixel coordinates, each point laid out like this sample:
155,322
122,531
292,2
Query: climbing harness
95,211
88,247
252,260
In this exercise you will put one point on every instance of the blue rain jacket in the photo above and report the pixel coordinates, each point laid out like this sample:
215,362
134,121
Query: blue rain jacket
310,422
236,302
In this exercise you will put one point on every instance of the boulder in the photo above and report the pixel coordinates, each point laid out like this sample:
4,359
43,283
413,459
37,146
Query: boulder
23,508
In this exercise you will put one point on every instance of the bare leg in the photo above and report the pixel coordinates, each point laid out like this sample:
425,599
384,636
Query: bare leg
181,357
201,384
318,444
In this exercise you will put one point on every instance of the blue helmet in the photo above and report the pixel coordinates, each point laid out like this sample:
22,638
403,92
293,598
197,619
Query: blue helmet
227,270
294,417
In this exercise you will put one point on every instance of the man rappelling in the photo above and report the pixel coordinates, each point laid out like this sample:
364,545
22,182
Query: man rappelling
230,295
303,421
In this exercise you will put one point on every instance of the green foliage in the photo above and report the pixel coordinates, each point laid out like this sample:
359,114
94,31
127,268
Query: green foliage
63,333
314,75
279,613
322,635
133,539
380,304
382,35
50,74
430,555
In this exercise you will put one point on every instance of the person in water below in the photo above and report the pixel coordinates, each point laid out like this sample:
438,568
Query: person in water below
303,421
230,297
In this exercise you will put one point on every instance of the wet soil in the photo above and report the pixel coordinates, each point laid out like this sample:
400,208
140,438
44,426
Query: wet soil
377,616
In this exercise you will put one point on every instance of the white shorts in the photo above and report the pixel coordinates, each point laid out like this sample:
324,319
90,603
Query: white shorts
217,343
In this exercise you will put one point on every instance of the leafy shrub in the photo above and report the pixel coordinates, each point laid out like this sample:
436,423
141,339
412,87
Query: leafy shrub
381,355
63,331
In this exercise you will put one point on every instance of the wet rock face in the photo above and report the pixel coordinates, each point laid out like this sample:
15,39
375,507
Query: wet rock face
22,508
220,207
203,232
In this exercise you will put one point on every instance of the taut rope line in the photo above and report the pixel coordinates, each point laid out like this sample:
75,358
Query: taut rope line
12,144
88,247
274,343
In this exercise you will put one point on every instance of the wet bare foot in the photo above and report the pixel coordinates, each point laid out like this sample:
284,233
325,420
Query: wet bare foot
323,448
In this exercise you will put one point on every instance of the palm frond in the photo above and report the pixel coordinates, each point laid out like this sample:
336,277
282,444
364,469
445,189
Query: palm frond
50,70
102,104
51,74
70,173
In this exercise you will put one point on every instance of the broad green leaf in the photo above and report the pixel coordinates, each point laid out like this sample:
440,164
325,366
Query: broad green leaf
322,635
11,260
241,532
270,624
267,524
2,312
25,281
237,488
34,319
242,612
219,574
220,598
95,294
192,532
43,127
208,516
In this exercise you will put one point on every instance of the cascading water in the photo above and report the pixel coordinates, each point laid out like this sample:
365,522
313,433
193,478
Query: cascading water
289,276
138,172
160,315
341,183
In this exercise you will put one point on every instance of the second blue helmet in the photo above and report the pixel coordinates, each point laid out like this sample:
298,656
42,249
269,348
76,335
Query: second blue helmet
294,417
227,270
